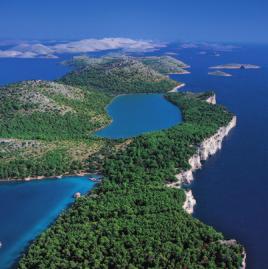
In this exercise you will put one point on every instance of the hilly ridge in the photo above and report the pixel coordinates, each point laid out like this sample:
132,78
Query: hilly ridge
46,127
115,75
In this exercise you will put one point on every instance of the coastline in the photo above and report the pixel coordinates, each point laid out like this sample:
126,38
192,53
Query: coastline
184,72
178,87
206,149
78,174
189,202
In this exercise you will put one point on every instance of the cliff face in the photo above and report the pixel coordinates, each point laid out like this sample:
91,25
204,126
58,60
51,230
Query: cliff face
189,202
207,148
212,99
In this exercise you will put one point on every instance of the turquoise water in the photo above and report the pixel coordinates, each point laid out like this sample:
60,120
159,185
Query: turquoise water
28,208
135,114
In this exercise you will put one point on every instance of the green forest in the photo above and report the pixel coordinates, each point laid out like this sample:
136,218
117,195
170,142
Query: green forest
132,220
44,124
42,114
118,75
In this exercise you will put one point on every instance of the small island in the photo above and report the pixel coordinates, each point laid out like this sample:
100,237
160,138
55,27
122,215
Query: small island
219,74
236,66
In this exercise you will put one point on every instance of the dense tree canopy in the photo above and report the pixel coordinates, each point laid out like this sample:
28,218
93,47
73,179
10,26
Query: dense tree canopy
132,220
118,75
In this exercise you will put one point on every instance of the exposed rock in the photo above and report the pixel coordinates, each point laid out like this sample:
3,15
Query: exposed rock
212,99
181,85
244,265
189,202
77,195
207,148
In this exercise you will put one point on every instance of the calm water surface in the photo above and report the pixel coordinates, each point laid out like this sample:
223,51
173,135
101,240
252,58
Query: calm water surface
28,208
134,114
232,188
14,70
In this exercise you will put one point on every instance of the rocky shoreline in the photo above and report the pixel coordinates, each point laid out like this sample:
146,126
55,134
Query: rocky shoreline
78,174
189,202
207,148
178,87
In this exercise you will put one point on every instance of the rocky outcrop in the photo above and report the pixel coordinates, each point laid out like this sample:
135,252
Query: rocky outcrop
178,87
243,266
189,202
212,99
77,195
207,148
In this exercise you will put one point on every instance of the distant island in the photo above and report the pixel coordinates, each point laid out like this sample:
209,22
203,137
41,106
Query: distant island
220,74
165,65
236,66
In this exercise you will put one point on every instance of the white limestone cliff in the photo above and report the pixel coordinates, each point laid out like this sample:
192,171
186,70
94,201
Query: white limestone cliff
212,99
189,202
207,148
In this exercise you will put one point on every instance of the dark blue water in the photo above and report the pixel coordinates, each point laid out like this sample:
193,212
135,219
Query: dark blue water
134,114
232,188
14,70
28,208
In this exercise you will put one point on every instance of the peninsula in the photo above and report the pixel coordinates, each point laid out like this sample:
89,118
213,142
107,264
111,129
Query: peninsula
122,223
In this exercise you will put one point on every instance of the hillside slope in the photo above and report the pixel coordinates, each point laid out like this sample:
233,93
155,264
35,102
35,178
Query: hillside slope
45,128
115,75
133,220
165,64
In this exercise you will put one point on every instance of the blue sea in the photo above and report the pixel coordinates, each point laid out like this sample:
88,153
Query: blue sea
14,70
231,189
